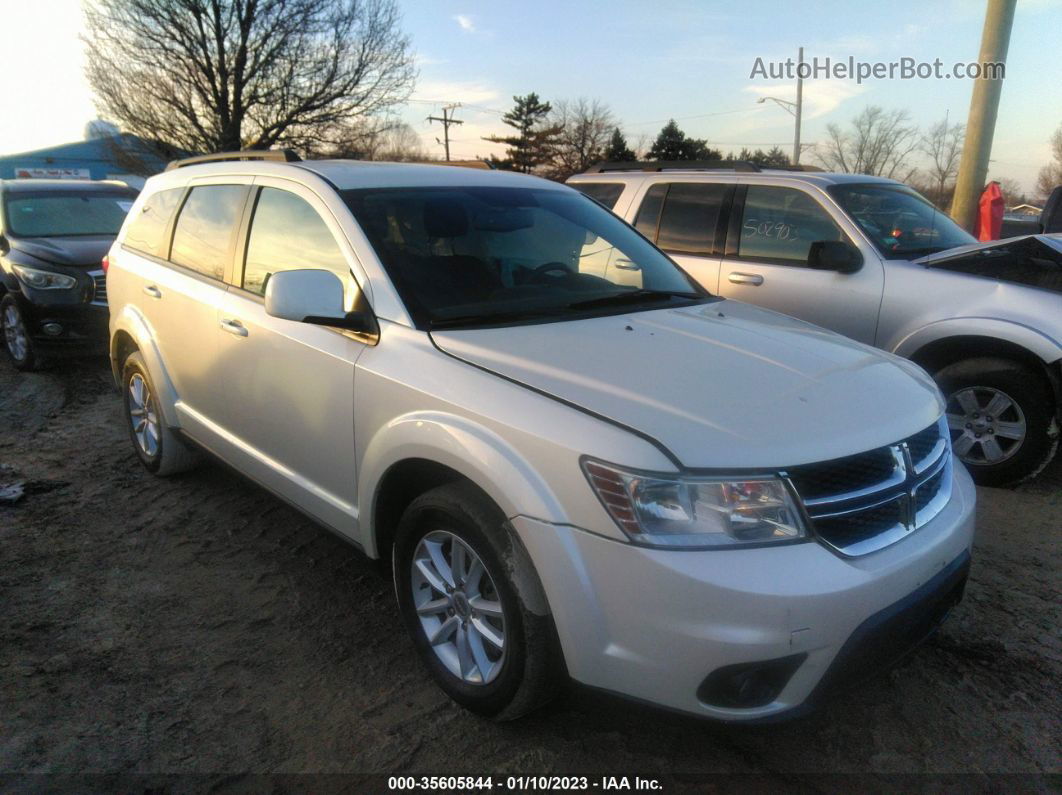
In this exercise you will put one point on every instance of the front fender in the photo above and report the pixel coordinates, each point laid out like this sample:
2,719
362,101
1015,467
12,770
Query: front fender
907,343
470,449
131,321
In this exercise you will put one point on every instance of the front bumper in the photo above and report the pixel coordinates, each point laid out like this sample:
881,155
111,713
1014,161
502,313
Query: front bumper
654,624
83,326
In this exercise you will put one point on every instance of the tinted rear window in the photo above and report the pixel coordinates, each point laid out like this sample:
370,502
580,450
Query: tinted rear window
206,228
607,193
690,216
147,231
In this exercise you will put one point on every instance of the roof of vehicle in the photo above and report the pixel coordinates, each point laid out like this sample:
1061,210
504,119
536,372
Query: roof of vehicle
91,185
354,174
821,178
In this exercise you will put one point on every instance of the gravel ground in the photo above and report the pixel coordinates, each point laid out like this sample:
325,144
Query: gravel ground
198,625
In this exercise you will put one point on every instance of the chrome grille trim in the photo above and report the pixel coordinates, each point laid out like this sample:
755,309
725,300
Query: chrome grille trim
99,288
860,521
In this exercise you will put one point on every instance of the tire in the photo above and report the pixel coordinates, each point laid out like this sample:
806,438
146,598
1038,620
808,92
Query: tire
17,341
527,672
970,386
159,449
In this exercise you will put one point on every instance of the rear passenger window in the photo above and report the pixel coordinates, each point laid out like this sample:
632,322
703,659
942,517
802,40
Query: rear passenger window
206,228
288,234
648,218
606,193
690,216
782,223
147,231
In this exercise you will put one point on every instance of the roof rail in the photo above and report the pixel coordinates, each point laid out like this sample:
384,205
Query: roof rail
279,155
674,165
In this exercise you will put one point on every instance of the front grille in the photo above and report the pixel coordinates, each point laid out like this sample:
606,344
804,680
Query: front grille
99,286
862,503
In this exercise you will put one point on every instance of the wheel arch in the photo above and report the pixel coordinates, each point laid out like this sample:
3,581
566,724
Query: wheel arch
130,332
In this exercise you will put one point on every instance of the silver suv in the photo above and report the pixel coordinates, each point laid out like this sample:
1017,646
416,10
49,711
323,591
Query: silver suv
620,479
871,259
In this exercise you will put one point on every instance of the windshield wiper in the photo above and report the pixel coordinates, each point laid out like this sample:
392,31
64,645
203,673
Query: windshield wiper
633,297
488,318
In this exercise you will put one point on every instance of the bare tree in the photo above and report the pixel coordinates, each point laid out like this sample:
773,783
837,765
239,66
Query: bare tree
942,143
214,75
879,143
1051,175
585,128
375,139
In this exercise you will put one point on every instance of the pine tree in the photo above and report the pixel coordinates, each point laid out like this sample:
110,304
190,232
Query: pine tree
672,144
618,151
533,145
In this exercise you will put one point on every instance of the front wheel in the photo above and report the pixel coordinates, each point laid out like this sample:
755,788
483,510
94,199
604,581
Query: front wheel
1001,417
17,340
454,564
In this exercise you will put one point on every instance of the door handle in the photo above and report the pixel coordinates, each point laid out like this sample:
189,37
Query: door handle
234,327
753,279
153,291
626,265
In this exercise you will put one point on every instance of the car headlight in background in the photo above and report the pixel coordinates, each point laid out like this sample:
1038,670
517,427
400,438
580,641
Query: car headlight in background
43,280
687,512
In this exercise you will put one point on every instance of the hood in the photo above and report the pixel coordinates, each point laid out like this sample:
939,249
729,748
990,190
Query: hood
1031,260
83,251
1052,245
720,385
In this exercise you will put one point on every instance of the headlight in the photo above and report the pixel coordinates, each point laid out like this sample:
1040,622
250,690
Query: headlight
44,280
694,512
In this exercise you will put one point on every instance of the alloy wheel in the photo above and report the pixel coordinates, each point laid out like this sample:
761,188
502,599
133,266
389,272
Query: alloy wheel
142,415
15,335
459,607
987,425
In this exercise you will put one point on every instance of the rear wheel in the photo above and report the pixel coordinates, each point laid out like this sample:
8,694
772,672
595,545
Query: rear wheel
1001,417
454,568
17,341
157,446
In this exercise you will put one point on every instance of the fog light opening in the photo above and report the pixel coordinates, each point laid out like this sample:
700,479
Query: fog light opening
749,685
52,329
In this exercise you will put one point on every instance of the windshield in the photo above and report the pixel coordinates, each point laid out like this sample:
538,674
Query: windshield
899,221
65,213
463,256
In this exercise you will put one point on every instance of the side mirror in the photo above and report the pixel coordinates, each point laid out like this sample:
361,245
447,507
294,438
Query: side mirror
1051,217
313,296
834,255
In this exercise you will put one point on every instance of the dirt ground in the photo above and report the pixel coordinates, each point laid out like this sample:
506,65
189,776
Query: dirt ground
198,625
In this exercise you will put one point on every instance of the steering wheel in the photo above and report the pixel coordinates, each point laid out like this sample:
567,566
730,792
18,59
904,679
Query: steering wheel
550,267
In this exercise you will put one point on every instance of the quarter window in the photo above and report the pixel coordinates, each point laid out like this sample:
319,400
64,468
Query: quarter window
147,231
781,224
288,234
607,193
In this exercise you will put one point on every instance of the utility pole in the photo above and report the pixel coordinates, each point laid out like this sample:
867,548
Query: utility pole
447,120
984,105
799,107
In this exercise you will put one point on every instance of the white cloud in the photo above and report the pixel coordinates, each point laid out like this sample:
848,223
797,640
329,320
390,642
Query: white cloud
821,97
445,91
466,23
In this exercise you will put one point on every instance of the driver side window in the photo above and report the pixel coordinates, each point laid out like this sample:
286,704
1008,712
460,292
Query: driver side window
780,224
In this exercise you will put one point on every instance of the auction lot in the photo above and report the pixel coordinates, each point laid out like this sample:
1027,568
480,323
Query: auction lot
199,625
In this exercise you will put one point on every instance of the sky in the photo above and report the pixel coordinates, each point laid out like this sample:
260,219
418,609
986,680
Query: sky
685,59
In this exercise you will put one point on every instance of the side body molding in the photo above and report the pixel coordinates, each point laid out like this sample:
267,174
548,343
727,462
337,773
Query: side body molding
132,322
468,448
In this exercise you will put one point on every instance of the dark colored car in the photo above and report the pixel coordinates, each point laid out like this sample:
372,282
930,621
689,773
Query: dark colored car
53,237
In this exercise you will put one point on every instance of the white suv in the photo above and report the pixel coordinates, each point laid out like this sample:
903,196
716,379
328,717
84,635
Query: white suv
619,479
